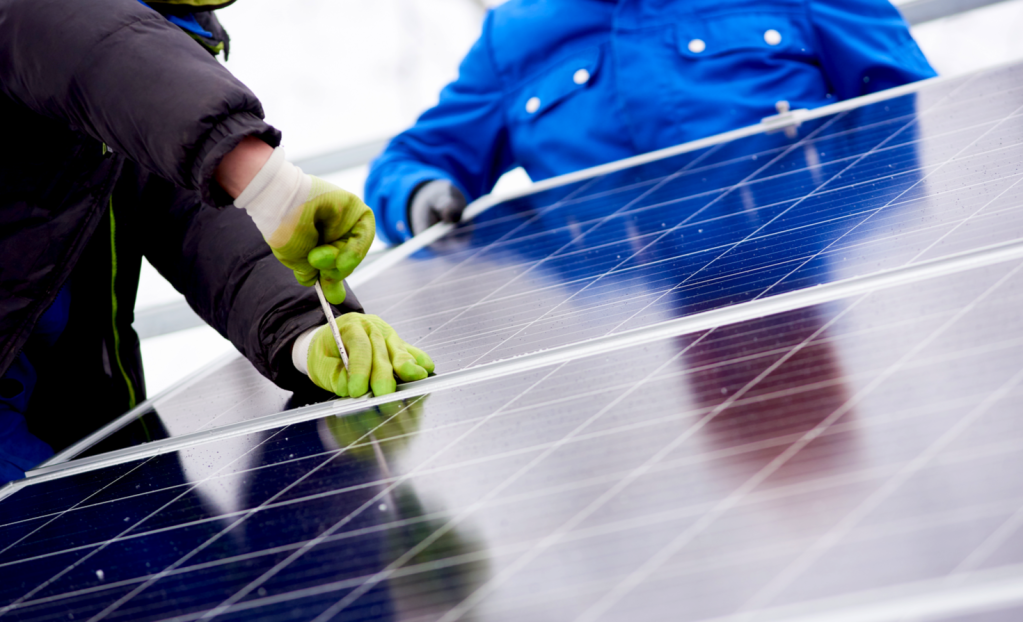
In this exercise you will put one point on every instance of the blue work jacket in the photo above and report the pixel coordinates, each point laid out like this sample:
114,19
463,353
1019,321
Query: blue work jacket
556,86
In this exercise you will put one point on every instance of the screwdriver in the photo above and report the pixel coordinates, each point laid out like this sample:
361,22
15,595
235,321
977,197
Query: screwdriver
333,325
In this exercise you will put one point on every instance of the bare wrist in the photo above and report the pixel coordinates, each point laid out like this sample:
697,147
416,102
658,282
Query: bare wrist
242,164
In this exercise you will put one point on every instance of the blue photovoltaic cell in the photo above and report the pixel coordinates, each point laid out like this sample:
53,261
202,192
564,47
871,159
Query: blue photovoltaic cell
869,442
897,182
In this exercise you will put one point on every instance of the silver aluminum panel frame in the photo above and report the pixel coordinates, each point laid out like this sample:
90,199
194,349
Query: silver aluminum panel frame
922,11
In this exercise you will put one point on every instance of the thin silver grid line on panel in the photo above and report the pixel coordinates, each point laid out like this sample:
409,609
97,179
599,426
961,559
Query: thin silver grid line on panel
986,548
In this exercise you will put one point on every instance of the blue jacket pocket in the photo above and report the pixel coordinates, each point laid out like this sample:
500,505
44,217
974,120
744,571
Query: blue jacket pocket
556,84
761,33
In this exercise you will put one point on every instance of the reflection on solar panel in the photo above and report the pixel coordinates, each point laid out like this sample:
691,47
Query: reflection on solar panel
768,378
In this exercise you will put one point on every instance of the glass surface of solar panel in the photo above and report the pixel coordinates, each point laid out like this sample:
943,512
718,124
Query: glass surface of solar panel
826,451
896,182
893,183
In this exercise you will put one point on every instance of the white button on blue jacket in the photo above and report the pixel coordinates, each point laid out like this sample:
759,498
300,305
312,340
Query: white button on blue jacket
555,87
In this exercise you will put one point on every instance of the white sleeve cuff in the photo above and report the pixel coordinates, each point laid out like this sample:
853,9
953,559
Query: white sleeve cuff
277,188
300,351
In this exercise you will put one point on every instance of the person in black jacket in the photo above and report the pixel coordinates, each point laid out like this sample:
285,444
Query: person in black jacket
126,138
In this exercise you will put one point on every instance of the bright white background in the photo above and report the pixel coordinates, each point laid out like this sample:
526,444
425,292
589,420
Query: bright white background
332,73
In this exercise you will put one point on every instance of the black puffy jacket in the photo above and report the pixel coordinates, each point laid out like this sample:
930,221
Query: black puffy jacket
116,120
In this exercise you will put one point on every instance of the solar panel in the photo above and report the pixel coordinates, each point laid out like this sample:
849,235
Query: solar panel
672,435
850,451
737,221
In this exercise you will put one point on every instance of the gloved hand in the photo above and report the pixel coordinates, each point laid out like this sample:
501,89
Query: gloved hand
433,202
313,227
376,354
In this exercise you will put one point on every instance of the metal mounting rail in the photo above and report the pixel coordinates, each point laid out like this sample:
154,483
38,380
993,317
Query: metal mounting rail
921,11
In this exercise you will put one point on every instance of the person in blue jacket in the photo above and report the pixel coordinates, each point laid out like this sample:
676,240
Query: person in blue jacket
556,86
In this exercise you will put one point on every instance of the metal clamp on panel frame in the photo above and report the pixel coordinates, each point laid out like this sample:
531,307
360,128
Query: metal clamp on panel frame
786,120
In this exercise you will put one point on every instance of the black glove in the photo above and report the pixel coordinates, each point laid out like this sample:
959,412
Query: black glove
433,202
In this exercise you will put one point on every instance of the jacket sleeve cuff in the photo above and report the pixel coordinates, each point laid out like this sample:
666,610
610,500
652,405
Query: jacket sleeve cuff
283,371
300,351
220,142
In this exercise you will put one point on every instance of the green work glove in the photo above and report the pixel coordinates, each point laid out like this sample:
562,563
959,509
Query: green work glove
313,227
376,355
